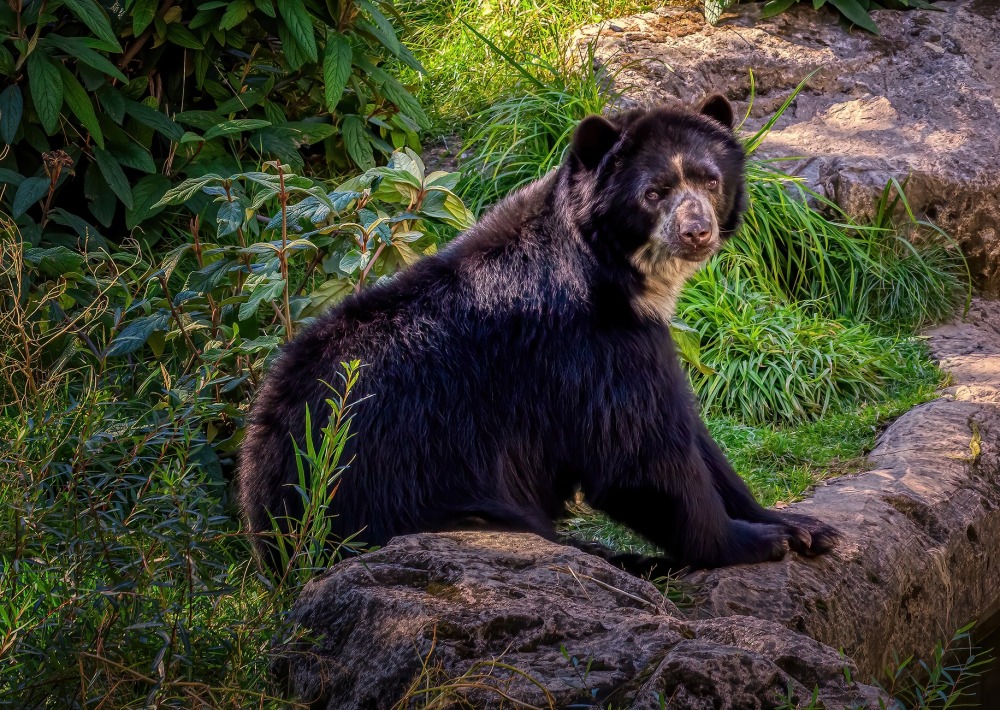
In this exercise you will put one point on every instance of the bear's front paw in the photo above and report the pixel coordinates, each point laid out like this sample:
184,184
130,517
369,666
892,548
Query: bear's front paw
810,536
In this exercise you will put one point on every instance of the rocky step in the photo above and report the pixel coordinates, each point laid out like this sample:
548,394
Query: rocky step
919,103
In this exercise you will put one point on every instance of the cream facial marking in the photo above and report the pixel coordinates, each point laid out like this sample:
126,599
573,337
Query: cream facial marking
665,276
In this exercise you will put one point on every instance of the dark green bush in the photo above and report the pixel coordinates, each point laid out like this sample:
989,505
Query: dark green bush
104,110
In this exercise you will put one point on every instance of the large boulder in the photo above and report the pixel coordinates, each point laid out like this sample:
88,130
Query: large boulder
920,103
491,616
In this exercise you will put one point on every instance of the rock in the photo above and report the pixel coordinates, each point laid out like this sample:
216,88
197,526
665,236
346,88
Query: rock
921,554
488,615
920,103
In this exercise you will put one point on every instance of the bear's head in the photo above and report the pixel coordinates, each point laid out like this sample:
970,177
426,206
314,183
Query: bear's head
663,187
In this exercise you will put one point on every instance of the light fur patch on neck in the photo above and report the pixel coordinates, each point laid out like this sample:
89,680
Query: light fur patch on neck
665,277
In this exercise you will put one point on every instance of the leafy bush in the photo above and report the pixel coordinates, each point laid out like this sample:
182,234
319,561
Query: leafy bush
891,275
212,310
109,108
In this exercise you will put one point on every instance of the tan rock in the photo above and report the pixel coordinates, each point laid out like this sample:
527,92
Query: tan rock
920,103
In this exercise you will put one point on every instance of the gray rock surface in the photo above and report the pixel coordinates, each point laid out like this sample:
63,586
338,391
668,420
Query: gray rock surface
921,554
920,102
495,615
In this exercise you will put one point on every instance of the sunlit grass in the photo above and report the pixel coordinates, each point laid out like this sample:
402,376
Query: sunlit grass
464,75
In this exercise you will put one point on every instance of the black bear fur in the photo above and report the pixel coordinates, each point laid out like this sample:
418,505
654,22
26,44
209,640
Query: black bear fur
532,357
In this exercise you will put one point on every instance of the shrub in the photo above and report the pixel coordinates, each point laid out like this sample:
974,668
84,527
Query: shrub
107,109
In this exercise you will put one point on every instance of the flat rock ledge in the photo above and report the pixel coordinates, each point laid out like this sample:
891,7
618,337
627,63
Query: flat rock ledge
497,616
488,617
920,103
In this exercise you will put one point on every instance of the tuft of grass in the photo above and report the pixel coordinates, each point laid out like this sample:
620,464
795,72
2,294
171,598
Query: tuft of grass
772,361
798,246
465,75
520,139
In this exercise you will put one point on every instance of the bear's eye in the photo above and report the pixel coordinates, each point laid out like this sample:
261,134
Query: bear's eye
712,184
653,195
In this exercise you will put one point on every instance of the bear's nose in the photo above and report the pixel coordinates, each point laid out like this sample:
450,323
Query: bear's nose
695,234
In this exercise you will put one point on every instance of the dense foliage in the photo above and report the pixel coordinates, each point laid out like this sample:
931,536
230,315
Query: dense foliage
104,110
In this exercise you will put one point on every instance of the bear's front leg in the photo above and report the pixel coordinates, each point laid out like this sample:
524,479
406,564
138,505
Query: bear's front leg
682,512
809,536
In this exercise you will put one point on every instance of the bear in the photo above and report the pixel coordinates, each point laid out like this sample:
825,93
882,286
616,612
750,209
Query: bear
531,358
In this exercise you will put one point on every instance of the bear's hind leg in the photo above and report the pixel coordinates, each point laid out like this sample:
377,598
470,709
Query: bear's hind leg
495,516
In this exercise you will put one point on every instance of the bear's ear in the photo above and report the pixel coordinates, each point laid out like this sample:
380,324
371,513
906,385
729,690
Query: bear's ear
718,107
593,138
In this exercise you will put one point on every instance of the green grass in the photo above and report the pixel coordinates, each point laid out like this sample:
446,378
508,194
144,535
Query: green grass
465,75
773,361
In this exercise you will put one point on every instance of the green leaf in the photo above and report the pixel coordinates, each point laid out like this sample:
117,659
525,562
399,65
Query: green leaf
92,15
187,189
241,102
28,193
267,291
307,132
776,7
448,207
143,13
113,175
54,261
300,25
183,37
88,233
6,61
853,11
237,126
132,155
76,48
9,177
329,293
102,199
157,120
383,24
353,261
230,217
46,89
357,142
265,6
136,333
235,13
80,104
11,109
336,69
113,103
291,52
145,196
397,94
